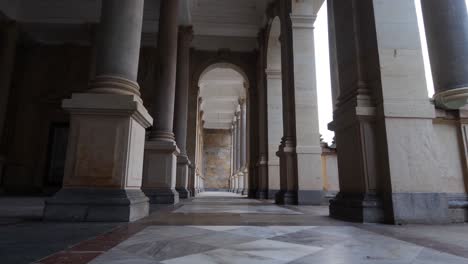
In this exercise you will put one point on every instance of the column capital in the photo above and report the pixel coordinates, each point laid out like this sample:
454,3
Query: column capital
303,21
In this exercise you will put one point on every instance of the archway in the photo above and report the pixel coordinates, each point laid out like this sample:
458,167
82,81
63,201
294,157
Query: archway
222,162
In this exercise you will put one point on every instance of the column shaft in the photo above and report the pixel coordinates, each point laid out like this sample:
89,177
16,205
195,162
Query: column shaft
446,24
181,106
164,99
119,36
243,144
262,192
161,151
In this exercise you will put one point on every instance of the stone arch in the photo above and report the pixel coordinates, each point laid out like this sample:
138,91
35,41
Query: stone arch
202,62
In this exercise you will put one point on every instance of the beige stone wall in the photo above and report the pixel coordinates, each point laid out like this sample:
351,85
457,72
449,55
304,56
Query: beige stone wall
217,158
330,171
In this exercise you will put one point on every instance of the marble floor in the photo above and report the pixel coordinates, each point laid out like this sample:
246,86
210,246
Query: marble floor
229,228
268,245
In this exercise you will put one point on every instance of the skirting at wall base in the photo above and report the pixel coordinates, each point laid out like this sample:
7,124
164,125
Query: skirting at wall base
420,208
96,205
363,208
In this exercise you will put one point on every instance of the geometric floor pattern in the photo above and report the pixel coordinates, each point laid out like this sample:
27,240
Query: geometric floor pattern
269,245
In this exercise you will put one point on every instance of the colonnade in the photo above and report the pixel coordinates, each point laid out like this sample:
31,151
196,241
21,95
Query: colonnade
238,181
113,169
388,133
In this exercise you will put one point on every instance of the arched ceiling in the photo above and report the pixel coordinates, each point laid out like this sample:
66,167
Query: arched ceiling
220,91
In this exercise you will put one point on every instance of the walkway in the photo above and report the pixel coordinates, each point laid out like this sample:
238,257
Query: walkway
228,228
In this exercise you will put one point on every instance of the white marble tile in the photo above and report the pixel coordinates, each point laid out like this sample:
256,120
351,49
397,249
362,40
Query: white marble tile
116,256
290,229
159,233
429,256
235,209
221,239
217,228
224,256
169,249
275,249
259,232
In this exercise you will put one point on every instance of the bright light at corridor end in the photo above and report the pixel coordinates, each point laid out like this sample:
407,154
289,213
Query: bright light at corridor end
323,67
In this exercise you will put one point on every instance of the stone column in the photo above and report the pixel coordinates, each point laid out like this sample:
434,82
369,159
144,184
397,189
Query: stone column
240,175
181,106
287,150
235,152
309,152
243,145
107,132
446,24
262,164
160,165
233,158
8,32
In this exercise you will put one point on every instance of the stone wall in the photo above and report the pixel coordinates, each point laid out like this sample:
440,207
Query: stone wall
217,158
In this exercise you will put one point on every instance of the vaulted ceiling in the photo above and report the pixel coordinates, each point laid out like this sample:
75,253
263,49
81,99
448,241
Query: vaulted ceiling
217,24
220,90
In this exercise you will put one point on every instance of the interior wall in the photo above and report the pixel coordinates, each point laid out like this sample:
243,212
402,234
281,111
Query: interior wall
217,159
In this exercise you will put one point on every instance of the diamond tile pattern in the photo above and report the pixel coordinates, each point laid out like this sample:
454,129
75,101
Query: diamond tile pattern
269,245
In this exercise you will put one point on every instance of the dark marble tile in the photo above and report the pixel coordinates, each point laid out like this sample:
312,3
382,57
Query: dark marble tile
70,258
309,238
166,249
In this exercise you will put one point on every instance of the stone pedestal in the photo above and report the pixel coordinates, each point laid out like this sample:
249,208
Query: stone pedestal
262,192
97,205
182,175
240,182
103,169
159,172
288,194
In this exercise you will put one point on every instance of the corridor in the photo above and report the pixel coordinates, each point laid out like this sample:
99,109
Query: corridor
219,227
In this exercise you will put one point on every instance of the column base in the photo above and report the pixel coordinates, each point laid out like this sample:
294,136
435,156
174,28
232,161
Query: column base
182,175
272,194
252,194
183,193
96,205
362,208
286,198
263,195
162,195
159,172
311,197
